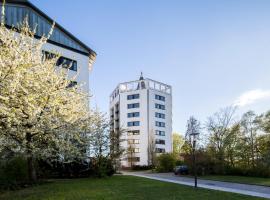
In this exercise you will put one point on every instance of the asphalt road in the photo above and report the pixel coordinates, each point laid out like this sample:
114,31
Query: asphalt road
253,190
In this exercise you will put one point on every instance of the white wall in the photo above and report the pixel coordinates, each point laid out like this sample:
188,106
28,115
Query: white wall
147,121
82,63
167,120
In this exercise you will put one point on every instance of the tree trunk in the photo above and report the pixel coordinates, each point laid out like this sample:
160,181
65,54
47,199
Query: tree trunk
31,168
30,160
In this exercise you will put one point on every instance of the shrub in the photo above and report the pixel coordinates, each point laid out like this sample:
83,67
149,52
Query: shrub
179,162
101,167
13,172
259,171
165,162
142,167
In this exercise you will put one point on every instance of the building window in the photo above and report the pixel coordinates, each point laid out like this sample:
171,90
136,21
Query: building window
159,106
160,150
160,133
158,141
47,55
134,159
72,84
160,124
67,63
160,98
133,141
160,115
135,123
134,150
133,114
133,96
133,105
134,132
62,61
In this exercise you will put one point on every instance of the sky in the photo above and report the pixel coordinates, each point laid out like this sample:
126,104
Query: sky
213,53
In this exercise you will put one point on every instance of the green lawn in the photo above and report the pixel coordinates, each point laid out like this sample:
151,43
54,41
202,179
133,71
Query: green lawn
240,179
117,188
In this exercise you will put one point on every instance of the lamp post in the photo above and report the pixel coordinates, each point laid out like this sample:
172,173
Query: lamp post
193,131
194,136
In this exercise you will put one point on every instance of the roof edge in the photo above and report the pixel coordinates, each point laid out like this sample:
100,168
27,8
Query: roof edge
29,4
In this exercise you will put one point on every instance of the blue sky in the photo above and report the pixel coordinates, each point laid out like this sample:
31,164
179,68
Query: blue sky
213,53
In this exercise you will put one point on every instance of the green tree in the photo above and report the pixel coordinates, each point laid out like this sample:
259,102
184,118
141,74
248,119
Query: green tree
165,162
250,128
40,114
178,142
220,135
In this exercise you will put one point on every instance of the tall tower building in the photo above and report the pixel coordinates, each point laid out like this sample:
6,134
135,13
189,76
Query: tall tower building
143,110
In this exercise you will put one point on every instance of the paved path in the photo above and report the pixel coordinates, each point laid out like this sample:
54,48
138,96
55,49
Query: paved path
252,190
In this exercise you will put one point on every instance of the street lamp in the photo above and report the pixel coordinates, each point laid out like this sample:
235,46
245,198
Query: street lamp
194,136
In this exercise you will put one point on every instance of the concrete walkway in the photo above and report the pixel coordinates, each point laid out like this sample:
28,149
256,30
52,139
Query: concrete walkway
252,190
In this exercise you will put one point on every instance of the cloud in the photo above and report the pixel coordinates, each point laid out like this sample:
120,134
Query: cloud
251,97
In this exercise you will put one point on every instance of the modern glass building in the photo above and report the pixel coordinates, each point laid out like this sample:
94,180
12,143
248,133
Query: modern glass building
61,41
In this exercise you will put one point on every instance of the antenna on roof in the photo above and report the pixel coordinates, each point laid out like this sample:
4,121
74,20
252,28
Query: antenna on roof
141,77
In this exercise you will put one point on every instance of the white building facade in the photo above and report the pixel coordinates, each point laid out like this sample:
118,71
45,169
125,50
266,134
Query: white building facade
74,54
142,109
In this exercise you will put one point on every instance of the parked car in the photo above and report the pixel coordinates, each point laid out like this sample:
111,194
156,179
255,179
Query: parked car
181,169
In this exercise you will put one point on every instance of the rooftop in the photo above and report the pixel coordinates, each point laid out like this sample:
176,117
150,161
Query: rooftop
76,44
142,83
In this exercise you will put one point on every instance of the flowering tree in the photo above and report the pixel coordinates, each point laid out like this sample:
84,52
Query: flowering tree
40,114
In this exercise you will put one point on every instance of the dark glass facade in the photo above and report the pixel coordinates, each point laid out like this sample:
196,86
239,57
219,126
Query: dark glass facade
15,15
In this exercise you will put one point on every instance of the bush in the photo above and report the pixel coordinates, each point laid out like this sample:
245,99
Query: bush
142,167
179,162
101,167
165,162
259,171
13,172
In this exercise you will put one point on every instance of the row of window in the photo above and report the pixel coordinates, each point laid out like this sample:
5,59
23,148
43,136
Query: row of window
160,150
137,132
62,61
137,105
133,114
160,115
160,124
133,105
160,98
133,159
159,141
137,114
133,96
137,159
133,141
134,150
160,133
137,123
133,132
134,123
160,106
137,96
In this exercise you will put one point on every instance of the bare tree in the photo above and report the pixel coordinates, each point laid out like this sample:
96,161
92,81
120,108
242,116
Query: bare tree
130,154
151,149
116,149
250,128
218,127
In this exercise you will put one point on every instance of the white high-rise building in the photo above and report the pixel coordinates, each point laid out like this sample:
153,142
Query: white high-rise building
143,109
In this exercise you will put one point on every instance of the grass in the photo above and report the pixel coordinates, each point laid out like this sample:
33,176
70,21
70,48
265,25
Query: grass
117,188
239,179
